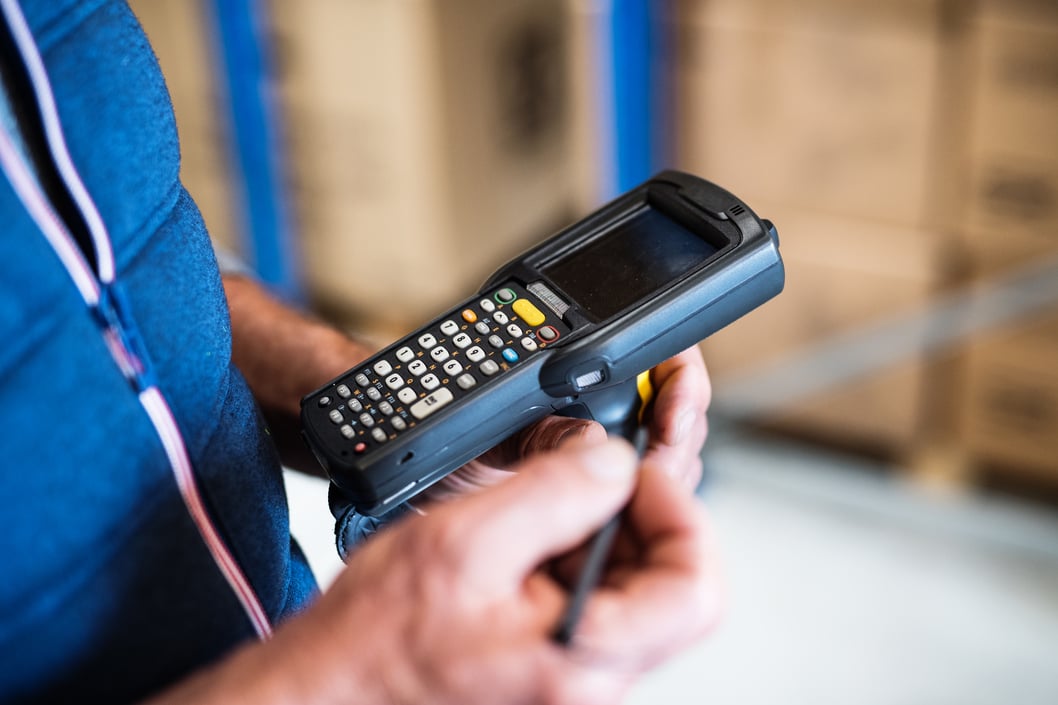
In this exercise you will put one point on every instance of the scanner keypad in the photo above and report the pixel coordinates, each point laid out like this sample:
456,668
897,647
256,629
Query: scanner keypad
420,375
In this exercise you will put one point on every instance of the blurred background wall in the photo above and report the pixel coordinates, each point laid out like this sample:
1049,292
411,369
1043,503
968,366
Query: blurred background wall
374,160
906,150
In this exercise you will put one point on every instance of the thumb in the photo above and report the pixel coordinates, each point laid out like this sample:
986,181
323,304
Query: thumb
554,502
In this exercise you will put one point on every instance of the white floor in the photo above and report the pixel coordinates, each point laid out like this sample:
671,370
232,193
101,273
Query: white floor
846,587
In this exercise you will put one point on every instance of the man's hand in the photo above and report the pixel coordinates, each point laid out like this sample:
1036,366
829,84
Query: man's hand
459,606
675,420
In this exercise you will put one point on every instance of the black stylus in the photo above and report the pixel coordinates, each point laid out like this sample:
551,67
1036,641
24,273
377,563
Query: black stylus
598,552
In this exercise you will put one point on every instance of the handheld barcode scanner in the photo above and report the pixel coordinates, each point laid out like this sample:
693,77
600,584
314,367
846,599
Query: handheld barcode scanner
562,327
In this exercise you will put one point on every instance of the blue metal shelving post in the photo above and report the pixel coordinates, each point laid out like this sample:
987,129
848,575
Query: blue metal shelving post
257,161
640,70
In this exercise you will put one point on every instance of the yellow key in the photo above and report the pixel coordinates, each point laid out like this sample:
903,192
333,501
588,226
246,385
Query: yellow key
527,312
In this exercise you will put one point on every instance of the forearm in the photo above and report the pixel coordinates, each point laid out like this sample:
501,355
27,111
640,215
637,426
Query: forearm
292,668
282,353
245,677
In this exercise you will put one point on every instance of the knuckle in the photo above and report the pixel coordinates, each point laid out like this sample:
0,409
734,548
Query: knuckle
442,541
437,549
576,687
709,609
551,690
693,473
709,604
699,432
559,689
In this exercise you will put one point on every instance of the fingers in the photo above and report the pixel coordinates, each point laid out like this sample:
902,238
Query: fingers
554,431
491,468
472,477
553,503
678,425
683,394
682,463
671,597
547,434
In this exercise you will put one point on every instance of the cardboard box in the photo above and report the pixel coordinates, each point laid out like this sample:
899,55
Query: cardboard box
1012,153
824,105
429,144
180,34
842,274
1010,419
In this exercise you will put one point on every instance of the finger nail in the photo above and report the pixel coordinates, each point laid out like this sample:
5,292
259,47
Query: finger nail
683,427
610,461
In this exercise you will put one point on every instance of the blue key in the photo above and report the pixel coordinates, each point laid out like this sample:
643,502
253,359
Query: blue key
510,355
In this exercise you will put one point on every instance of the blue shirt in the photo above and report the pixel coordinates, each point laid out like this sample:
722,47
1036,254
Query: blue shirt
108,592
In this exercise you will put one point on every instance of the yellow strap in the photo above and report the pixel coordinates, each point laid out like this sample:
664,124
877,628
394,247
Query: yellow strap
646,392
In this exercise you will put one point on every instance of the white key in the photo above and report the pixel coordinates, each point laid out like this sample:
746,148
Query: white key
355,406
427,341
343,391
501,318
489,368
367,419
427,405
348,431
430,381
462,340
439,354
406,354
394,381
514,331
362,380
529,344
407,395
398,423
336,416
379,435
417,367
475,354
386,408
373,394
466,381
487,306
383,368
449,327
452,367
